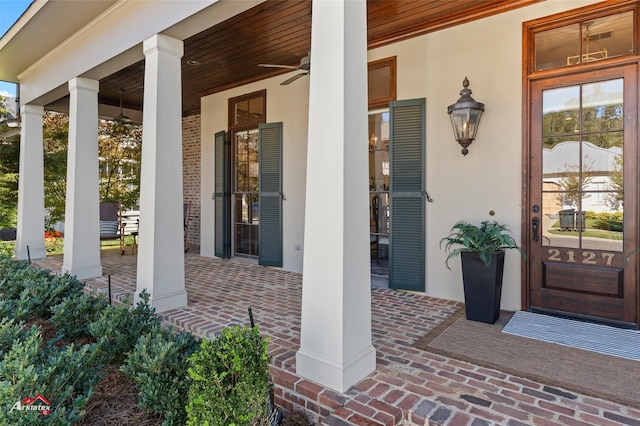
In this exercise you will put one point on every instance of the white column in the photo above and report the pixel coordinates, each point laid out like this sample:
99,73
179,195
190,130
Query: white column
30,231
82,207
335,339
161,245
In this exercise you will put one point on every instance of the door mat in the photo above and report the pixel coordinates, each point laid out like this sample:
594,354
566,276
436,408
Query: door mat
575,370
578,334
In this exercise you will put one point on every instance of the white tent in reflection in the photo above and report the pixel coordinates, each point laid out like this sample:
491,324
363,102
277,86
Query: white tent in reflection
561,165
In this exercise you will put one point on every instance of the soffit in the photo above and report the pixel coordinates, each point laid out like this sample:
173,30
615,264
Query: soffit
277,32
43,26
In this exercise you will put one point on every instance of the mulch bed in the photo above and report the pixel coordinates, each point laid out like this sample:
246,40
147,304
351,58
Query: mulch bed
115,398
115,402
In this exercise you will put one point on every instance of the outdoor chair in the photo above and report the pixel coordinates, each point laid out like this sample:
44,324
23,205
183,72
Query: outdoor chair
111,224
186,211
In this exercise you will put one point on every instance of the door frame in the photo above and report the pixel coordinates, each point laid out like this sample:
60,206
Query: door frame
529,76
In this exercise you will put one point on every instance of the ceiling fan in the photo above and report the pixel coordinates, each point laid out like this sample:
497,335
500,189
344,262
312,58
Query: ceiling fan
121,118
305,67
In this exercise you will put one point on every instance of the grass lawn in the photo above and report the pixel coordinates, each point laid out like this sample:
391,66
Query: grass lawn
593,229
56,245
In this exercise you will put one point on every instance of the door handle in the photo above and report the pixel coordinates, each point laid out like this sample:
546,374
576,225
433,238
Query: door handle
535,225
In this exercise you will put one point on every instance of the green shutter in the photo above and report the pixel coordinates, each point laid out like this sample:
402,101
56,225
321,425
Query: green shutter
221,195
407,221
270,209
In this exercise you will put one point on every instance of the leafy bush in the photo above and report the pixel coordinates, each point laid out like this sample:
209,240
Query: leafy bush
29,368
16,276
604,216
608,221
158,364
41,295
20,377
73,315
35,291
118,328
7,248
12,331
230,380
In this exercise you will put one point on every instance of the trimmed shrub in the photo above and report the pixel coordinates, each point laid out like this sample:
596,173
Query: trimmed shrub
26,290
158,365
73,315
118,327
65,377
230,380
39,296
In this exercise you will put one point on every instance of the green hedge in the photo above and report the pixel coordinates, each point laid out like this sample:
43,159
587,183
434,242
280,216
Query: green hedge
223,381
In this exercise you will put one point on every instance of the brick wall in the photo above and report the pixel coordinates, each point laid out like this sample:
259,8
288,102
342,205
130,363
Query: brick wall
191,173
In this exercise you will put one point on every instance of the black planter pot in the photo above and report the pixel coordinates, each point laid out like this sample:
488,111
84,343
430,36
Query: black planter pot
482,286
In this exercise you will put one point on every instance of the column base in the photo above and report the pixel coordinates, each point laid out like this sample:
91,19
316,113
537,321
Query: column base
334,376
35,253
83,272
165,302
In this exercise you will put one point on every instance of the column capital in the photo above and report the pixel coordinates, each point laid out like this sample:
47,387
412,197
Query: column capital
83,83
164,43
32,109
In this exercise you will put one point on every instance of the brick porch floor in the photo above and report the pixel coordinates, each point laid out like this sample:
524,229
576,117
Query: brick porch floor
409,386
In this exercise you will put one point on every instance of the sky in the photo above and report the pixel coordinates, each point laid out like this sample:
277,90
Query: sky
10,11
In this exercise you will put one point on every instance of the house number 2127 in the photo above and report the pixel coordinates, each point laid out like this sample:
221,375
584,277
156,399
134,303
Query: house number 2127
588,257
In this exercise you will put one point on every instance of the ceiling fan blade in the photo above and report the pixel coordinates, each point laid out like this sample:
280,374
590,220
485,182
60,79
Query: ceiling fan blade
294,78
123,120
290,67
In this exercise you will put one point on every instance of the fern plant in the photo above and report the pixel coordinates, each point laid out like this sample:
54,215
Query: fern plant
488,238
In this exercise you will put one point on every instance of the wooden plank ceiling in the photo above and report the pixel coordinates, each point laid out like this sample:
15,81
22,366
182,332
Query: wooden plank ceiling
279,32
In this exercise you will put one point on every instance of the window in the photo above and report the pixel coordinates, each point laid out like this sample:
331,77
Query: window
585,41
381,91
246,113
379,192
382,82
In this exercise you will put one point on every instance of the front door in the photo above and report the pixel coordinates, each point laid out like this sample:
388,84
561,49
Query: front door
583,204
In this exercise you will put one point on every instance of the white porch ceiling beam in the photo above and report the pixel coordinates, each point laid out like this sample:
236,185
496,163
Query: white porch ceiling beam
114,39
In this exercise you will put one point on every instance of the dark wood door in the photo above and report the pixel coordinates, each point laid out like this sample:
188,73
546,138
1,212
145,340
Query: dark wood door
583,204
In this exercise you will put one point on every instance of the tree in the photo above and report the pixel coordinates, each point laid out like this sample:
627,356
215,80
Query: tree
119,150
55,139
573,183
9,165
615,200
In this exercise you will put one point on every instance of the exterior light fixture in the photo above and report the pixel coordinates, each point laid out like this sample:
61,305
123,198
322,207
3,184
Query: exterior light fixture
465,117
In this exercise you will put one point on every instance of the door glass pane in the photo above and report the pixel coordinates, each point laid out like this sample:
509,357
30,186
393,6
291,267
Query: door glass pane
245,192
602,106
582,164
561,111
379,192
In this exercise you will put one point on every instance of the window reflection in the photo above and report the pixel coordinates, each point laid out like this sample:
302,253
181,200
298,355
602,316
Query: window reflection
588,41
379,192
583,166
245,197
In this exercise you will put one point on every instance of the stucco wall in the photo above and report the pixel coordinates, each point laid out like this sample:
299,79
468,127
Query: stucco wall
287,104
489,53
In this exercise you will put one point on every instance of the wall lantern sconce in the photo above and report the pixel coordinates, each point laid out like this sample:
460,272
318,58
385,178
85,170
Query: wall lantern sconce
465,117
